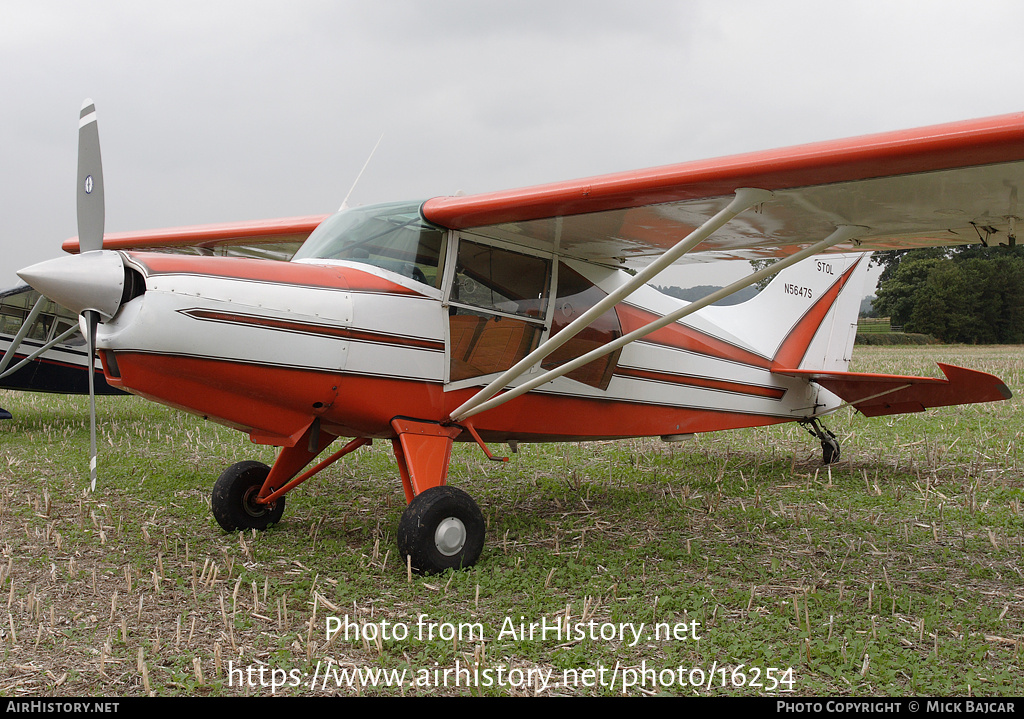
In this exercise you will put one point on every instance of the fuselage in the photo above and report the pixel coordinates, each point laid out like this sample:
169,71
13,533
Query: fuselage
361,331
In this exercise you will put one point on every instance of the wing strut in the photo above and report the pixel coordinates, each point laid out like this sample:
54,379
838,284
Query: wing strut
843,233
744,199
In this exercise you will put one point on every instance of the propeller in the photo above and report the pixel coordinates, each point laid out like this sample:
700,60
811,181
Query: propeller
90,283
91,215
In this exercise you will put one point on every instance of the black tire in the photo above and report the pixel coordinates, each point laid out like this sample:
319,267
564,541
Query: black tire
442,528
829,451
232,497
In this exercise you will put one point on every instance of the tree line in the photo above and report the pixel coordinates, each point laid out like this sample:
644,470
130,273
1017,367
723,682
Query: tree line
972,294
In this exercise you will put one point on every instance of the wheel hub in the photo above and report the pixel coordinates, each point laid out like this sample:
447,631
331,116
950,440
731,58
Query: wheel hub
450,536
249,502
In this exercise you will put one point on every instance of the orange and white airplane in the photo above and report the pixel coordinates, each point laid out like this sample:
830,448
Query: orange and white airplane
513,317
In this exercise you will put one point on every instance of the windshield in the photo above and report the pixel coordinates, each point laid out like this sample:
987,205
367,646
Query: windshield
393,236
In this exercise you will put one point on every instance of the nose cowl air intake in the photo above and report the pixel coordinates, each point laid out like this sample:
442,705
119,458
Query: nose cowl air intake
89,281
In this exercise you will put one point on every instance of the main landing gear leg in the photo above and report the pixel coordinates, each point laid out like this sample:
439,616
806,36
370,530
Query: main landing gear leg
442,528
250,495
829,443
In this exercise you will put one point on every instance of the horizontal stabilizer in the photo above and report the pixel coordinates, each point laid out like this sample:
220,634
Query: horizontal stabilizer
881,394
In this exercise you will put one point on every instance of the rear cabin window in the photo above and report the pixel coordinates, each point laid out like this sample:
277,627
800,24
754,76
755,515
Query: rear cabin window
576,294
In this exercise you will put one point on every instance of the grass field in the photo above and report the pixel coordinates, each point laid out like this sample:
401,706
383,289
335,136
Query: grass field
734,561
874,325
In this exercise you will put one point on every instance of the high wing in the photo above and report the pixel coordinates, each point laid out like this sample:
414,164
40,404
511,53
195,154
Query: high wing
949,184
277,238
942,185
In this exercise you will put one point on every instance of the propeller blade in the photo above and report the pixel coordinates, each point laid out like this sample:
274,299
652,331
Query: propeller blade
90,181
90,237
91,319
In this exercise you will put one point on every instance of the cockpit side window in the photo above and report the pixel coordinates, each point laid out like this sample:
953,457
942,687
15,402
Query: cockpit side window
497,306
497,279
393,236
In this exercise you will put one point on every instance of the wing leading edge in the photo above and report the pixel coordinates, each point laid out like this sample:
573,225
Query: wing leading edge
286,230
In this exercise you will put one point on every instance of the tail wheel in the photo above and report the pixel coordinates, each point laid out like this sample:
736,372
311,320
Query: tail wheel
234,498
829,442
442,528
830,450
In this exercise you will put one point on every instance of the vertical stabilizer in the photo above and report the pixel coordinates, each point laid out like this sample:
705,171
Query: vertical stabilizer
806,318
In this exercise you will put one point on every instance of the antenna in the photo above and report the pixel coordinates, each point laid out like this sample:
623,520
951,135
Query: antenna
344,203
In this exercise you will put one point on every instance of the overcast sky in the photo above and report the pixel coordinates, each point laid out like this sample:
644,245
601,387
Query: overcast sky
216,111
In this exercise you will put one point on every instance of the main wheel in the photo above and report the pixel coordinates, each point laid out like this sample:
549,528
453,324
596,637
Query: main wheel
234,494
442,528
